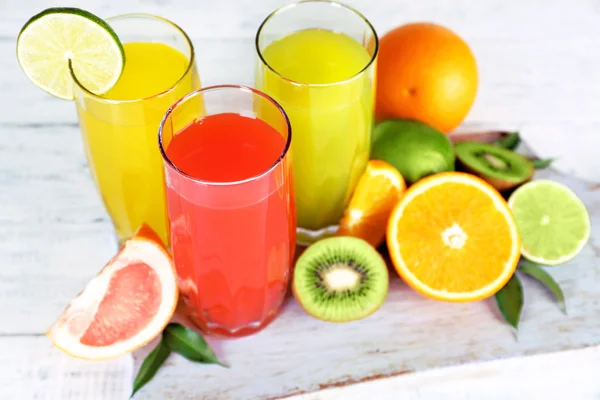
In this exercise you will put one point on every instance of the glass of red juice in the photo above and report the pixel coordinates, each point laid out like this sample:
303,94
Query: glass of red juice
231,206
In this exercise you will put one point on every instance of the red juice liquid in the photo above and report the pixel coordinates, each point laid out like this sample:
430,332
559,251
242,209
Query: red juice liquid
232,243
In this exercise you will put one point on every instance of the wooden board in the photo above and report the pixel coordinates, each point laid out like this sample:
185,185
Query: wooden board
539,75
409,333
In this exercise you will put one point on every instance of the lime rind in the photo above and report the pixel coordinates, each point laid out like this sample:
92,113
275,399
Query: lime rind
553,222
415,149
56,36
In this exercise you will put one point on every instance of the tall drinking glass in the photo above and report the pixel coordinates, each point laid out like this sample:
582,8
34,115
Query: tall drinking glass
119,127
231,206
317,59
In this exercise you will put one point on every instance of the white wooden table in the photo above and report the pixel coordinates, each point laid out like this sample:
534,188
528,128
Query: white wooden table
540,74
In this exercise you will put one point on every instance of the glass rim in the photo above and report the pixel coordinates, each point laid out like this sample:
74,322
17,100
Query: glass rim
331,3
207,89
188,69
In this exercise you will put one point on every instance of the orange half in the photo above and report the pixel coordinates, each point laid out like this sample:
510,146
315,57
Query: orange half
452,237
377,192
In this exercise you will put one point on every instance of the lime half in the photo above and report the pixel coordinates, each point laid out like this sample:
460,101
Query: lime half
553,222
51,38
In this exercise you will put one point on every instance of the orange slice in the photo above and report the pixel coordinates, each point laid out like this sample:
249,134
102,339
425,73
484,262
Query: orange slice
452,237
377,192
124,307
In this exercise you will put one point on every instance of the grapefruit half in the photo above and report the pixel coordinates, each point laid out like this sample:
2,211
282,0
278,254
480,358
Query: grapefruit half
125,306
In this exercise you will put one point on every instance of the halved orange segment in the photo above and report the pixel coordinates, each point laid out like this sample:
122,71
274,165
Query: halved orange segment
377,192
125,306
452,237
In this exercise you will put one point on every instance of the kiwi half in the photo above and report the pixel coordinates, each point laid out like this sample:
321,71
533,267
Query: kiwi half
340,279
502,168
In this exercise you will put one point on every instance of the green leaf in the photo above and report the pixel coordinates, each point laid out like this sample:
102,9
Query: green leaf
510,301
541,163
539,274
150,365
189,344
510,141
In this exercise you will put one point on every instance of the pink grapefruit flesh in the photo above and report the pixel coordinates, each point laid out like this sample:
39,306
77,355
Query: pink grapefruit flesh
124,307
132,299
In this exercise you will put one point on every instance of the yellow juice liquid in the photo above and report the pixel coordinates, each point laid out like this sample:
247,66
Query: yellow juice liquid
120,133
330,106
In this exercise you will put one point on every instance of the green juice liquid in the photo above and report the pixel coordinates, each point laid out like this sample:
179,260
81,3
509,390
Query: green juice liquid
331,110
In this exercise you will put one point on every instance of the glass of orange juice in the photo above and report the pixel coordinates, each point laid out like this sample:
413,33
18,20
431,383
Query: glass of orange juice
119,128
317,59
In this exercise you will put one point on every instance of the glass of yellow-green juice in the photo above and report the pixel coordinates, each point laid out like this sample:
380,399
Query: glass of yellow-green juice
317,59
119,128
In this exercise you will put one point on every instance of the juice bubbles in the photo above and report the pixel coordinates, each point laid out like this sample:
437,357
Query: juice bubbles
119,128
231,210
324,81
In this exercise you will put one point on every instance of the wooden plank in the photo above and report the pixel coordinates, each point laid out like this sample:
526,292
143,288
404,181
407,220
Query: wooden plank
521,69
529,99
218,62
31,369
240,18
546,378
54,234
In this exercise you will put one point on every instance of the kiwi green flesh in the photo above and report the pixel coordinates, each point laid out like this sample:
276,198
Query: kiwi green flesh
494,162
340,279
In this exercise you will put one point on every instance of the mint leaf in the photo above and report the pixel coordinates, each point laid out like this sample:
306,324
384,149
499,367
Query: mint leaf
189,344
511,141
150,365
510,301
541,163
539,274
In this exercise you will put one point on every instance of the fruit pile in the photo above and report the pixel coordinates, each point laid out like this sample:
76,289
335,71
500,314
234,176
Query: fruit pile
471,209
456,234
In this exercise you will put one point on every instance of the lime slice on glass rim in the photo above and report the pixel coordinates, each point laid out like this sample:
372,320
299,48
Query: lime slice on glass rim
553,222
57,40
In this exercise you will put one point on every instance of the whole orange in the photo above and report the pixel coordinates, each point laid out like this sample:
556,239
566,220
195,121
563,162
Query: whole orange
425,72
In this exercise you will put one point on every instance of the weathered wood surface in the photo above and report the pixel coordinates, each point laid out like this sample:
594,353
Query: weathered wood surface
540,74
54,376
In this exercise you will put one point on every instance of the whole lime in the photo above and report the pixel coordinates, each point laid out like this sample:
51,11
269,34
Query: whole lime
414,148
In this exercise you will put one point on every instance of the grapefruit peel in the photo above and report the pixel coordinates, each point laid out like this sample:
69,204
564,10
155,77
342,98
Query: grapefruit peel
100,323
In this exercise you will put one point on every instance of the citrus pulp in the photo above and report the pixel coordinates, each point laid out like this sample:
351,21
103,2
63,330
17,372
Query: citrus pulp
124,307
553,222
452,237
378,190
57,40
